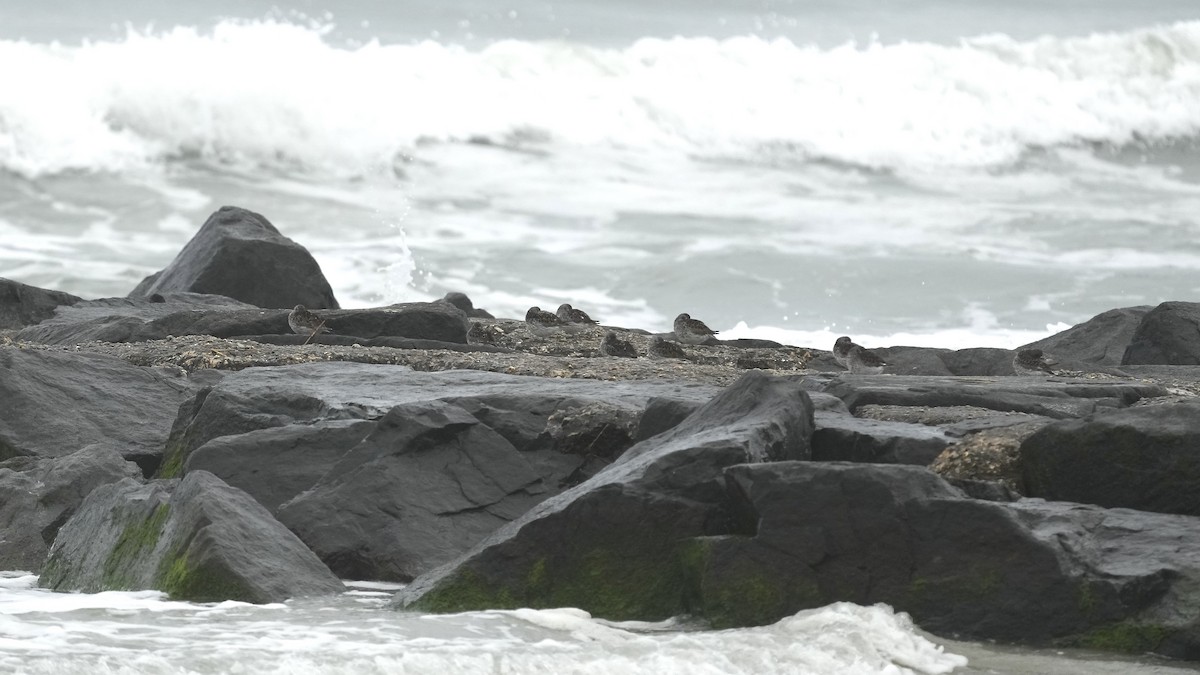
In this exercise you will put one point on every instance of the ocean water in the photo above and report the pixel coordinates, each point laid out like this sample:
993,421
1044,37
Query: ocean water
144,633
918,171
926,172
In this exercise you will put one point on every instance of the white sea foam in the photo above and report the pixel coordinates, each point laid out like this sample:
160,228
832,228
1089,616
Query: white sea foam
142,632
281,95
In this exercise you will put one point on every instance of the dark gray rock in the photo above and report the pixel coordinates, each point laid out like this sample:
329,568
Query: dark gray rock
608,545
1101,339
1145,458
842,437
517,407
55,403
429,482
817,533
274,465
37,495
1169,334
663,414
979,361
914,360
197,539
22,305
1051,398
239,254
432,325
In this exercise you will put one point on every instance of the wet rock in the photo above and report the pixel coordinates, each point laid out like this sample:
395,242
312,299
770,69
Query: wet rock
516,406
1050,398
1145,458
1169,334
37,495
980,361
914,360
22,305
55,403
608,545
842,437
274,465
1101,339
239,254
429,482
197,539
817,533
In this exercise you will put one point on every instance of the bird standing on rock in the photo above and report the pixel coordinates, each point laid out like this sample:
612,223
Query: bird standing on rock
569,314
856,358
304,322
665,349
542,323
1032,362
692,331
615,346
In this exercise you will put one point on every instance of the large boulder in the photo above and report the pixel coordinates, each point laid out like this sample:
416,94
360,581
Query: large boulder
22,305
428,483
338,438
1039,396
1101,339
39,494
609,545
275,464
816,533
239,254
1145,458
1169,334
55,403
197,539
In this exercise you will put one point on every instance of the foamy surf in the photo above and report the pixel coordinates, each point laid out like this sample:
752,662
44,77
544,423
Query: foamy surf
142,632
282,96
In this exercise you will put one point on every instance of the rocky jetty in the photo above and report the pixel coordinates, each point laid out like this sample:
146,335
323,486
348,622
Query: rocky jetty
185,439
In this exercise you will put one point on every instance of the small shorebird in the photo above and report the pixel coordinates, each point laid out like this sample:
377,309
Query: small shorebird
543,324
1033,362
304,322
665,349
615,346
692,331
569,314
856,358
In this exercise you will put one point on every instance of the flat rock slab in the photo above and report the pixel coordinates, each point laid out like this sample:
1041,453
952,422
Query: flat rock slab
56,403
842,437
39,494
139,320
1051,397
197,539
1145,458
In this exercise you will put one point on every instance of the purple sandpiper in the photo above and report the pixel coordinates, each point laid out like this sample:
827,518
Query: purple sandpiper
692,331
304,322
569,314
1033,362
615,346
543,324
665,349
856,358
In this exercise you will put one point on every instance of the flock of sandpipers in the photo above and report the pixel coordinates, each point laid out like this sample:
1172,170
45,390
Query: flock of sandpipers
567,319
